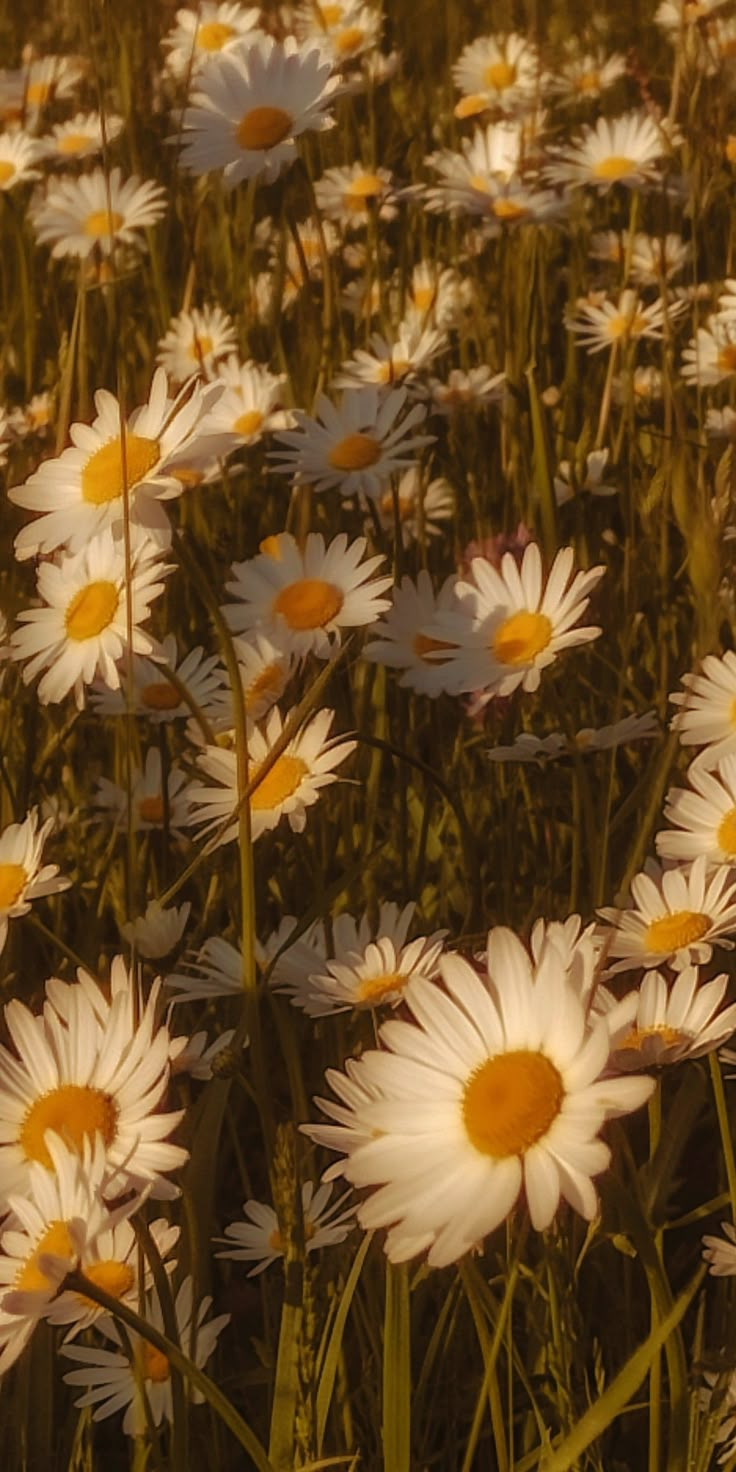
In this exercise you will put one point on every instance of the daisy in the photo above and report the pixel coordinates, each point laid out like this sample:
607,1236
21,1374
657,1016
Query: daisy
23,875
645,385
18,154
720,1254
392,362
680,16
494,1086
265,670
88,1067
207,33
675,915
309,254
291,785
657,258
703,819
567,485
191,1055
671,1024
218,968
113,1382
619,733
511,623
195,342
50,79
405,640
82,490
422,508
303,599
471,389
356,447
96,212
368,973
358,31
626,320
349,195
707,714
499,71
216,972
251,403
624,150
81,137
154,695
35,417
314,20
494,155
249,110
710,356
529,748
433,296
258,1239
112,1260
82,629
583,77
158,932
720,424
150,809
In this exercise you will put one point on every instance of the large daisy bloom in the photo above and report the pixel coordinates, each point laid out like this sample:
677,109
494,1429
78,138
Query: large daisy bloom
23,875
89,1067
258,1238
113,1382
82,631
703,819
368,973
495,1086
111,1259
707,709
303,599
405,637
625,150
82,490
249,110
207,33
96,211
355,447
290,786
510,623
675,917
671,1024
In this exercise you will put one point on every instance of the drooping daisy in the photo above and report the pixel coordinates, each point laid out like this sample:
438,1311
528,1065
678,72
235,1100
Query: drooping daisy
87,1066
493,1086
81,137
349,195
113,1382
251,403
82,490
569,482
710,356
195,342
671,1024
485,180
291,785
158,932
624,150
618,733
154,695
675,918
703,819
600,326
370,968
96,212
304,598
422,507
249,110
500,71
258,1239
207,33
707,709
404,638
23,875
355,447
152,806
82,631
392,362
471,389
511,623
18,154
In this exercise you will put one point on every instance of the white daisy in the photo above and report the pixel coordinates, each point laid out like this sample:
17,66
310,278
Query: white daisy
18,154
23,875
218,968
158,932
434,296
703,819
80,137
619,733
249,110
151,808
154,695
51,78
96,212
422,506
291,785
710,356
82,631
404,638
358,31
529,748
35,417
656,258
674,916
387,362
671,1024
112,1260
259,1239
503,71
87,1066
484,180
707,714
645,385
628,319
303,599
193,1056
251,403
309,255
365,973
202,35
624,150
493,1086
348,196
265,670
355,447
582,77
572,480
720,1254
720,424
195,342
471,389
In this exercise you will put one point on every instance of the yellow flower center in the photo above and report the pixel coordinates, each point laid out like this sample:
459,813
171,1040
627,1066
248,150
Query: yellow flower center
406,505
392,369
280,782
198,348
270,548
13,878
38,93
7,170
499,75
423,297
213,35
588,82
102,477
375,988
330,15
510,1102
151,809
624,326
160,695
91,610
469,107
726,837
638,1037
249,422
269,681
73,1111
275,1240
509,209
154,1364
480,183
673,932
355,452
361,190
727,357
263,127
730,149
309,603
101,223
73,142
57,1241
520,638
115,1278
349,39
423,645
614,167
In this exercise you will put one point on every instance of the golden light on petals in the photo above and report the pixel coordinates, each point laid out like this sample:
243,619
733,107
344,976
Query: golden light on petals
270,548
281,781
154,1364
213,35
38,93
330,15
275,1240
672,932
263,127
102,223
249,422
730,148
623,326
423,297
375,988
510,1102
508,209
13,878
614,167
102,476
160,695
520,638
74,1112
55,1241
354,452
115,1278
499,75
588,82
92,609
393,369
199,348
308,603
726,836
7,170
470,107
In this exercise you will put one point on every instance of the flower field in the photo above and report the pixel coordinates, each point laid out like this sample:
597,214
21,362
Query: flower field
368,737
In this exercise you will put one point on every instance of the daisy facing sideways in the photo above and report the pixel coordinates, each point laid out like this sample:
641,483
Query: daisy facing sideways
250,405
302,599
405,638
626,320
195,342
493,1087
625,150
703,819
94,212
157,697
671,1023
349,196
356,447
370,966
676,916
23,875
258,1239
706,709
